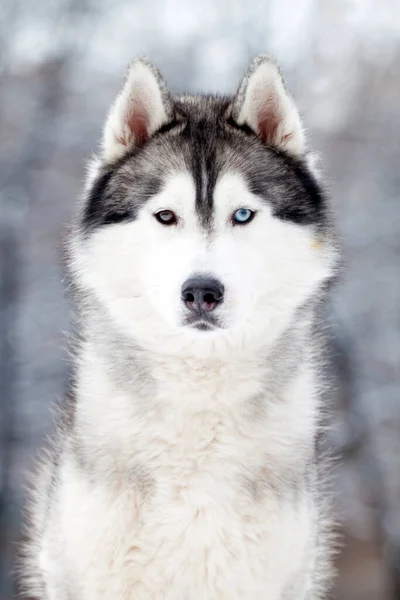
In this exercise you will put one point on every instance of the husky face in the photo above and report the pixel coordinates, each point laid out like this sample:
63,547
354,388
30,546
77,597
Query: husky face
203,226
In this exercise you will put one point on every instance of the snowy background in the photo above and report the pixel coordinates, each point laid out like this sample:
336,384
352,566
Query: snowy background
62,62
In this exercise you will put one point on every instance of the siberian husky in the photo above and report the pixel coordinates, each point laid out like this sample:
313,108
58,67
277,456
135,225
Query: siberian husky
185,464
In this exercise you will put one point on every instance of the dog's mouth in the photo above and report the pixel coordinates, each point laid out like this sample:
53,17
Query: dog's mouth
203,326
205,322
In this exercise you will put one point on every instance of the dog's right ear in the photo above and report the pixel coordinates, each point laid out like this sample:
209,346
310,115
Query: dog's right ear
143,106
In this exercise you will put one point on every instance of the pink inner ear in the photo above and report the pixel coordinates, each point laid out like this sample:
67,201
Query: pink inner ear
141,129
138,123
268,122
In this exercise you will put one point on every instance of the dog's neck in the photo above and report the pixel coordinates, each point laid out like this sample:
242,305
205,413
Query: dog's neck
128,399
128,365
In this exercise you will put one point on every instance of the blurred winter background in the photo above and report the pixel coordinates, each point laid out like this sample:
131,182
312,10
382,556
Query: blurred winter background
61,64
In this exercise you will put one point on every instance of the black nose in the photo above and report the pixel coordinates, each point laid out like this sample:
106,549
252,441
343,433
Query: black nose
202,294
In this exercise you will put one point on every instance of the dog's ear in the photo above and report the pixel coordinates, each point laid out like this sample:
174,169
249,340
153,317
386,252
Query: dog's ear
263,104
143,106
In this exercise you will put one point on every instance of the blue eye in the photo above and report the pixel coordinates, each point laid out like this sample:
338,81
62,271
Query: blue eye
243,216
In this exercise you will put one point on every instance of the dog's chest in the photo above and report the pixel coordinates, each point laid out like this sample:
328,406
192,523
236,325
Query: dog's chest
205,535
194,510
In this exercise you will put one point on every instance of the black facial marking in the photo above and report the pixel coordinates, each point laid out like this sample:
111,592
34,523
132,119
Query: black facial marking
290,188
168,127
243,128
94,208
205,140
114,198
200,134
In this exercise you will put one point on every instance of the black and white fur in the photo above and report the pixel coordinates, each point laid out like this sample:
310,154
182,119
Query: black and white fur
185,464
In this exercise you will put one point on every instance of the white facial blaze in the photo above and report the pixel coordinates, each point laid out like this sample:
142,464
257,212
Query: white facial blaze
142,106
268,268
264,105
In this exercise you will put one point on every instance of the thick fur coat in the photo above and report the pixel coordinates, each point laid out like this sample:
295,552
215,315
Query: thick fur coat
185,466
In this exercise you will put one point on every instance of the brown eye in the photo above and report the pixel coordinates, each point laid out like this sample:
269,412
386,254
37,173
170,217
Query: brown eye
166,217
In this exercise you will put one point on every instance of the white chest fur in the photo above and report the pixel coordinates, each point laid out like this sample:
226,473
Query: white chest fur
193,491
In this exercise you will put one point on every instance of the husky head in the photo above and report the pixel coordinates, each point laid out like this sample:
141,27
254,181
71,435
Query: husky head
204,228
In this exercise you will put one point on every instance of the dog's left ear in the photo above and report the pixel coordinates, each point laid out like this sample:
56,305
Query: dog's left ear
143,106
263,104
